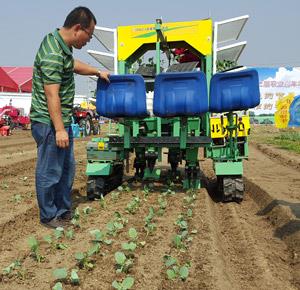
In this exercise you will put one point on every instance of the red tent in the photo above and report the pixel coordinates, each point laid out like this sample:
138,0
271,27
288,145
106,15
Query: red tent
6,83
20,76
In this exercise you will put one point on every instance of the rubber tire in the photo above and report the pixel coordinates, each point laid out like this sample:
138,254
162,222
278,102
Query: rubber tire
88,126
82,125
96,129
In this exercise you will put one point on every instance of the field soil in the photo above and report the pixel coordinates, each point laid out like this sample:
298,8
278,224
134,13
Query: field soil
251,245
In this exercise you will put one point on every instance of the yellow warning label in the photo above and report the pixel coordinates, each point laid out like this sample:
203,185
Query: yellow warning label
218,127
100,145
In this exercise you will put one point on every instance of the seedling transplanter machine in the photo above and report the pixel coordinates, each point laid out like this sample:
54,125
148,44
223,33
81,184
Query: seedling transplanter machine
193,106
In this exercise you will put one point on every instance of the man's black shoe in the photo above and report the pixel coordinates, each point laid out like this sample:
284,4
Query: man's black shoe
53,224
66,216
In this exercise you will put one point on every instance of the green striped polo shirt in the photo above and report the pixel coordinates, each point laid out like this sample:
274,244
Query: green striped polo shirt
54,64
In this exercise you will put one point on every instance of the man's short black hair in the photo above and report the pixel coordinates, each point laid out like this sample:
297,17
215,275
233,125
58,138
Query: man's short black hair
80,15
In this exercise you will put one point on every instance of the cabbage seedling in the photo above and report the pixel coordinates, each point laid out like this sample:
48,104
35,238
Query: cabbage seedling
132,234
127,283
74,277
84,261
60,274
122,263
34,248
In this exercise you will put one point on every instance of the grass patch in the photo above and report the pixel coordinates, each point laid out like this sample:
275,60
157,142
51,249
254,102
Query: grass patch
287,140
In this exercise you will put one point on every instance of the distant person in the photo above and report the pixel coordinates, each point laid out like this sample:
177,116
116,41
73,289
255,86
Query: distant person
53,91
184,55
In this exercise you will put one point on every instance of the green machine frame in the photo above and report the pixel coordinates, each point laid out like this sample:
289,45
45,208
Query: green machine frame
183,136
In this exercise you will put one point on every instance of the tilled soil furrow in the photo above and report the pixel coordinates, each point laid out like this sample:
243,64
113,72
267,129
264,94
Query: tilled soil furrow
8,155
198,251
208,265
13,210
39,275
16,231
15,144
150,262
281,156
253,258
281,216
15,167
246,252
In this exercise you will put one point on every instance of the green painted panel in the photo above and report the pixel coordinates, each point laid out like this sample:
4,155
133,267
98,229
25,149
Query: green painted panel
228,168
155,174
103,155
97,168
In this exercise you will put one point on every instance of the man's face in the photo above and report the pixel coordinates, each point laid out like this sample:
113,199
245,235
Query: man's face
84,35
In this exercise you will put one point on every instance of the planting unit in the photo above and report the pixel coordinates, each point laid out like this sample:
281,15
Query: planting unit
192,106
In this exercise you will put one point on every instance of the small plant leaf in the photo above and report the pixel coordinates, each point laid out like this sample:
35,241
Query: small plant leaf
61,246
189,212
129,246
98,235
120,258
116,285
94,249
70,234
171,274
118,225
57,286
60,273
48,239
127,283
184,272
74,277
177,241
33,243
132,233
58,233
79,256
169,261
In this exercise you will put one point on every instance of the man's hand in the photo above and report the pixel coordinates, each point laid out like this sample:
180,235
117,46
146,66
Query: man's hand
104,75
85,69
62,139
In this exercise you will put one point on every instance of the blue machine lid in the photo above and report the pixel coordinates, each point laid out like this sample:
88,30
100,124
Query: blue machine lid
234,91
180,94
124,96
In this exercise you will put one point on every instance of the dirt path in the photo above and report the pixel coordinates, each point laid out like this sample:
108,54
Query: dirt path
252,245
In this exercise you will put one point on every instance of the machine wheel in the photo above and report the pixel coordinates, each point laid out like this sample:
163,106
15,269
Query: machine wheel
101,185
95,187
96,128
82,127
88,126
12,126
231,188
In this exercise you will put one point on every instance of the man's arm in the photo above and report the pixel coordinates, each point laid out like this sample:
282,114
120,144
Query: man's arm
85,69
54,108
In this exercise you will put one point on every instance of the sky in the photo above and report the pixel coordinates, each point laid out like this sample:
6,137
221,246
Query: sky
272,31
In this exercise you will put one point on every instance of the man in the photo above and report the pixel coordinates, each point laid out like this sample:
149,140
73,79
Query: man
53,91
